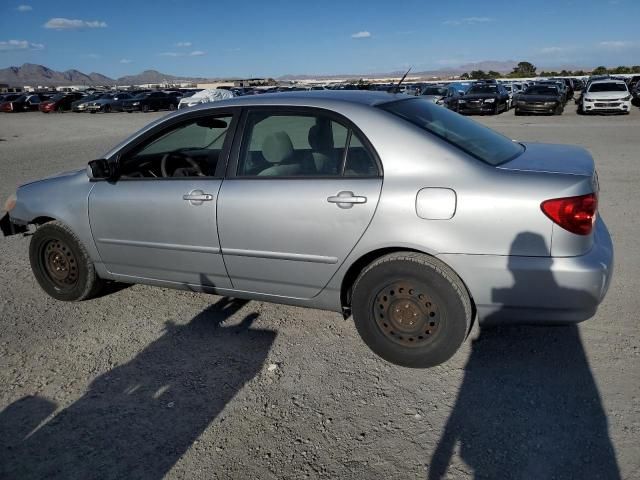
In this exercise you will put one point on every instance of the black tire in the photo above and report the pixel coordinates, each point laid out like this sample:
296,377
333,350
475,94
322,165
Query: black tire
145,108
172,107
107,109
559,109
61,264
517,112
411,309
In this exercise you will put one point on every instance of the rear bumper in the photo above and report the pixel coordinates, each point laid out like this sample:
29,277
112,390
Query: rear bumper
538,290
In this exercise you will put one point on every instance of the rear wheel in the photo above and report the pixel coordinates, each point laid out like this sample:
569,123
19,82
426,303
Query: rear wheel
172,106
145,108
411,309
107,108
61,264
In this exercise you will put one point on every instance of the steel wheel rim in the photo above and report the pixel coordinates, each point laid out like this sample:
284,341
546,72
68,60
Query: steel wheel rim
60,264
407,314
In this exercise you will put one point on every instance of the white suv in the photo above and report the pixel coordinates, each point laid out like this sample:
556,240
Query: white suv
607,96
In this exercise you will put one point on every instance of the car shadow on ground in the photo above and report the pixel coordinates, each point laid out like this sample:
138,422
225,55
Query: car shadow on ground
528,406
137,420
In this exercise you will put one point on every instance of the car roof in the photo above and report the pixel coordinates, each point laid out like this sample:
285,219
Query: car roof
313,98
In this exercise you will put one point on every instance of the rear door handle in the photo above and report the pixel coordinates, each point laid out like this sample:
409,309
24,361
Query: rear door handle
346,199
196,197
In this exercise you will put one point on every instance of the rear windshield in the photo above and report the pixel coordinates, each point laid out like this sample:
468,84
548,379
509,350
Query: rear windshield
466,134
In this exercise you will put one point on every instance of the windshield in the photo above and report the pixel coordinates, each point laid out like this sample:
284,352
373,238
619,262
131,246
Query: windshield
542,90
483,89
434,91
21,98
608,87
142,95
469,136
57,97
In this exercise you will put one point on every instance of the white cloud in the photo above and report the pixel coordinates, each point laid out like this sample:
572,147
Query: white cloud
550,50
183,44
19,45
197,53
468,21
615,44
125,60
363,34
92,55
170,54
72,24
24,8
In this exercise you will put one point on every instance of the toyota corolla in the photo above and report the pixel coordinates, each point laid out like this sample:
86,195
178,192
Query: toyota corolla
411,218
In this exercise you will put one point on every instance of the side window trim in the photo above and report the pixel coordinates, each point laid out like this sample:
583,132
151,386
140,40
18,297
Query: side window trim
159,130
240,138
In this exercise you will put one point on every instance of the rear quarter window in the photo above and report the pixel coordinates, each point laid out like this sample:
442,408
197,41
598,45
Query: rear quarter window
471,137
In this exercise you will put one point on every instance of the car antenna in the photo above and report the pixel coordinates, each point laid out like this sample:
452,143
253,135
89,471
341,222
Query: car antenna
396,89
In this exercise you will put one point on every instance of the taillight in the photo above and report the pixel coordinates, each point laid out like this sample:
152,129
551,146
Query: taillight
576,214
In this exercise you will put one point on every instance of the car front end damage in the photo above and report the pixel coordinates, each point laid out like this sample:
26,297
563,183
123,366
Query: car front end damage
8,225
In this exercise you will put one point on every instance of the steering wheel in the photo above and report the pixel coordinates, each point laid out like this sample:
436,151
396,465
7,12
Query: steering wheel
179,156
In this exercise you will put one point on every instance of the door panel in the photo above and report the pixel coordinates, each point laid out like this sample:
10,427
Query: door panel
146,229
285,237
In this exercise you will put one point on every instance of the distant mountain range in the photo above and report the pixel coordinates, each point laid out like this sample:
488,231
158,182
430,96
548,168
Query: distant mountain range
32,74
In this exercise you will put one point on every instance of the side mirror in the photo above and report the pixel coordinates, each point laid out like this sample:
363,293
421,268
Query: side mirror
100,169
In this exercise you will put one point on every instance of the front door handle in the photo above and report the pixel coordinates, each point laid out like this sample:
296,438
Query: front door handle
346,199
196,197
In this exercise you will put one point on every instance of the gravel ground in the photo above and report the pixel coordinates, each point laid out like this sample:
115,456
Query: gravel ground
145,383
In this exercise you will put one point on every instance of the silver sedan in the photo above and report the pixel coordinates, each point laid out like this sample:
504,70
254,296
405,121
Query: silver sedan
413,219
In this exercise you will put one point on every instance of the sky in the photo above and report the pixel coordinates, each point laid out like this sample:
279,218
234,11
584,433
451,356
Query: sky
273,38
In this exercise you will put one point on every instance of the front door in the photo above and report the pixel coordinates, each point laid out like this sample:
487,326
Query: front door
158,220
302,194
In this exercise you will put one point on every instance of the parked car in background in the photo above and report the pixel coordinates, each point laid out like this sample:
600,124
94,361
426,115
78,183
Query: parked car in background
512,93
407,216
562,87
110,102
568,82
80,105
22,103
9,97
60,102
606,96
446,95
205,96
147,101
540,99
485,98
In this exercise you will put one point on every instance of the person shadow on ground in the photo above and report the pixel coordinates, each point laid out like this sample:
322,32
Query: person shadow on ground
138,420
528,406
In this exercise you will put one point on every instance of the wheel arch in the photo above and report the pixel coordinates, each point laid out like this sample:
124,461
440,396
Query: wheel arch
360,264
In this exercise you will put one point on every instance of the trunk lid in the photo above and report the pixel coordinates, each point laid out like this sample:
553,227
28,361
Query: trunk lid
551,158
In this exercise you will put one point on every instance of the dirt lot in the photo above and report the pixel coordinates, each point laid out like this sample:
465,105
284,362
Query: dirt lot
147,382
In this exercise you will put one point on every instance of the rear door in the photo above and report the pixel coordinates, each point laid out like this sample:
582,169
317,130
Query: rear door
301,190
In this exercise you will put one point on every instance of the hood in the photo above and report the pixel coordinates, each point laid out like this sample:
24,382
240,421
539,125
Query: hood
537,98
607,95
552,158
68,173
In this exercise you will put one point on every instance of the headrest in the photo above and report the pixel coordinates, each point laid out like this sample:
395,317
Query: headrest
277,147
320,139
